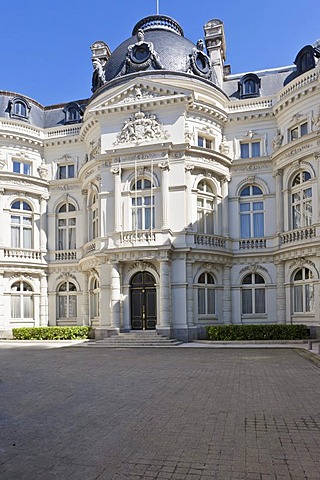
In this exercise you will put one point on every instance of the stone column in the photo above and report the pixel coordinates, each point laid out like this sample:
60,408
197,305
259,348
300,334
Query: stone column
85,216
225,206
227,307
281,293
190,295
43,223
116,170
188,169
115,295
278,175
164,293
43,301
164,166
85,300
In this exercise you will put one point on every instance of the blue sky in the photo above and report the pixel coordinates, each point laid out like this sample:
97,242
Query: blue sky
45,45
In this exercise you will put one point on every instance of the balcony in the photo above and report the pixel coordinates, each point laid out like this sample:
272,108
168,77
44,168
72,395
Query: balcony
252,244
298,235
138,237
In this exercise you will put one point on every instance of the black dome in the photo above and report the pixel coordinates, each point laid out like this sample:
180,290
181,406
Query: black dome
172,47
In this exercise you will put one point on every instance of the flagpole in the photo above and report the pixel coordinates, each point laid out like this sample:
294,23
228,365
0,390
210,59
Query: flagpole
157,7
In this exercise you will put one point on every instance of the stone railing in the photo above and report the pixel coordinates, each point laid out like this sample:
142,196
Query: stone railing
89,247
209,240
65,255
298,235
252,104
63,132
301,81
21,254
138,237
252,243
15,127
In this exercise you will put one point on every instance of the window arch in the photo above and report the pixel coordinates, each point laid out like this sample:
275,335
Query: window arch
251,212
21,220
19,108
142,204
253,294
206,294
21,300
303,291
205,207
301,200
305,60
66,225
67,300
249,86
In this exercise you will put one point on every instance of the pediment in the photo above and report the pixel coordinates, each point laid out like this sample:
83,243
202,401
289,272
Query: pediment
140,94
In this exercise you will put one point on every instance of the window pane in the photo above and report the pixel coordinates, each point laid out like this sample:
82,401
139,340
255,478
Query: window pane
15,307
201,301
27,307
16,167
244,207
26,169
258,227
245,231
256,190
200,141
298,298
211,302
304,129
62,307
72,306
27,238
244,150
255,149
246,301
260,300
309,298
70,171
62,172
257,205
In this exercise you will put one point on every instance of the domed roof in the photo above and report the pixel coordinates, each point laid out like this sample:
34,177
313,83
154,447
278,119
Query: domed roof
158,43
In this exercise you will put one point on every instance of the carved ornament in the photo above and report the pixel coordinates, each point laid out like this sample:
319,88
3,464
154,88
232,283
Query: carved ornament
141,127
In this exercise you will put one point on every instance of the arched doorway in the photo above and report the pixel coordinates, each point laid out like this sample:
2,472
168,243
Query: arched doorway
143,302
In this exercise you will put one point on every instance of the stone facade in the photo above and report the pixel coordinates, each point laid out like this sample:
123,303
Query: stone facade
170,199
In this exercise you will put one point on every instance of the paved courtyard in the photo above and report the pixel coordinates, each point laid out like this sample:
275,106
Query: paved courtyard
79,413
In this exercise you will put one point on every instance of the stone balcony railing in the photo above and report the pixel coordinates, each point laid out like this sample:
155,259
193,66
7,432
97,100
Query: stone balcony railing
146,236
21,254
89,248
63,132
65,255
301,81
298,235
212,241
252,243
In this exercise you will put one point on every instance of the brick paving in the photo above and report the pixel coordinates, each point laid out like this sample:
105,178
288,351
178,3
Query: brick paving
85,414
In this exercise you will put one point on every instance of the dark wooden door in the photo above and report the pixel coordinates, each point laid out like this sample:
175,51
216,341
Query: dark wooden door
143,302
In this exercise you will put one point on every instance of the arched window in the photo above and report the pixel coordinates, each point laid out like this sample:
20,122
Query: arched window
253,294
66,239
303,294
21,225
206,294
249,86
251,212
67,300
21,300
142,205
73,113
305,60
94,210
94,299
301,200
205,208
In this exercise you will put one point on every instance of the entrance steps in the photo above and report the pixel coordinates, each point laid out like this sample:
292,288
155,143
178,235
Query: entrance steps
140,338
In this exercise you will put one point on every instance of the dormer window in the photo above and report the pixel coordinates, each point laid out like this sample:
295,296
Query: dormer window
73,113
249,86
19,108
305,60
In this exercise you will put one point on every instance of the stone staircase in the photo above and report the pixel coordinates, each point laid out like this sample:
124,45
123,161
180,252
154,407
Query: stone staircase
138,338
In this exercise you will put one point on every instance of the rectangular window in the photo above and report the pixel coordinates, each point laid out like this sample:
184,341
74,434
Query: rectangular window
250,149
246,301
298,131
24,168
205,142
66,171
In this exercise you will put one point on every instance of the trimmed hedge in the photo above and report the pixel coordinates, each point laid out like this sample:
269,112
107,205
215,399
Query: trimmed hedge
51,333
257,332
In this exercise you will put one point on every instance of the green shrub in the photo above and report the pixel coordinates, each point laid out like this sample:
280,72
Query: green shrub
257,332
51,333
